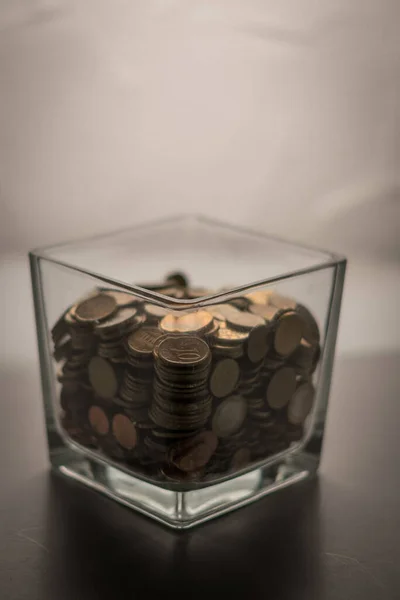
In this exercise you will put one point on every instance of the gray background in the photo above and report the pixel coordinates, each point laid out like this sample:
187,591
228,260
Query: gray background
280,115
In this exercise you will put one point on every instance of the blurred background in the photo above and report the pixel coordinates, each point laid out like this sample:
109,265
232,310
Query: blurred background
283,115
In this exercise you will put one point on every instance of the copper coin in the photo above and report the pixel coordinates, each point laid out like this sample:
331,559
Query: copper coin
98,420
102,377
288,333
281,388
244,320
258,343
183,351
142,341
311,329
96,308
124,431
301,404
194,453
224,377
119,319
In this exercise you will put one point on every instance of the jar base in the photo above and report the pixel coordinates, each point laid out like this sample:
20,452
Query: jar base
184,509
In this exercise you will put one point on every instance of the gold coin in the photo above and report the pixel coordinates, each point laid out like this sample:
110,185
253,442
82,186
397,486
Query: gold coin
281,387
301,404
124,431
224,377
98,420
194,322
96,308
102,377
288,333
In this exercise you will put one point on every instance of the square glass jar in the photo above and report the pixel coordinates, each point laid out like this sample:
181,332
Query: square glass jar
186,363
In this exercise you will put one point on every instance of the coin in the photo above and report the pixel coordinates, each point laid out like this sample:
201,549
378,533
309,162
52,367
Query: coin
142,341
98,420
225,335
124,431
173,292
243,320
301,403
178,278
154,311
224,377
288,333
96,308
258,343
266,311
183,351
102,377
218,311
281,388
229,416
310,325
198,292
194,322
305,357
259,297
194,453
281,301
123,317
123,299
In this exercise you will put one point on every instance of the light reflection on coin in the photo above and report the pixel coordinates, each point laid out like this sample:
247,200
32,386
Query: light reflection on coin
195,322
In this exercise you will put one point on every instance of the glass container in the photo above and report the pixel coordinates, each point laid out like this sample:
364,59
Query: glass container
186,364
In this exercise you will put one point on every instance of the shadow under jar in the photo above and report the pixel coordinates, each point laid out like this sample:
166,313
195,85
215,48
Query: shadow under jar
203,384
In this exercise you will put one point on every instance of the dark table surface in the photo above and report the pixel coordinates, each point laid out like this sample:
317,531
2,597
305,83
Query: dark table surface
334,538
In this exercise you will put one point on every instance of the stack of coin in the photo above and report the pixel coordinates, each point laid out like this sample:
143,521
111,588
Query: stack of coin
137,382
112,331
181,401
182,395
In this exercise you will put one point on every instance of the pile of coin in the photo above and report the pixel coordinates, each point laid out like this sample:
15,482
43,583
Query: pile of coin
186,395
